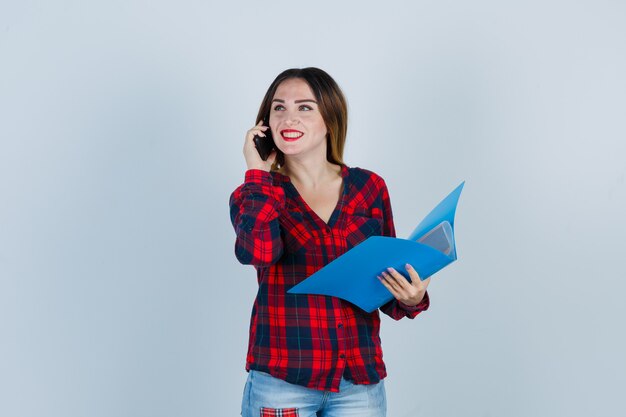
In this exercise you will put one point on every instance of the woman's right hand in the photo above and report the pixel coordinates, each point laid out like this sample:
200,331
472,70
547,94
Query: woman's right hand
250,152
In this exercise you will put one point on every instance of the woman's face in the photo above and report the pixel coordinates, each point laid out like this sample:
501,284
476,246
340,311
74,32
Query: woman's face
295,120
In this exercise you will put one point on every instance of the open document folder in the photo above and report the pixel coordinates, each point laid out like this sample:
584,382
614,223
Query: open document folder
353,275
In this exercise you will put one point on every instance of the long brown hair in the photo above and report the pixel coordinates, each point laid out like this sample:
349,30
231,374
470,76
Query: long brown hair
332,106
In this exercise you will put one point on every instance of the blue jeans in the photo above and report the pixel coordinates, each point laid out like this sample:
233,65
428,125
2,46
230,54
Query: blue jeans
265,395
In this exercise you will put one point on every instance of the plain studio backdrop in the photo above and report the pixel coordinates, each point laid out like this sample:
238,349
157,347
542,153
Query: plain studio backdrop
121,134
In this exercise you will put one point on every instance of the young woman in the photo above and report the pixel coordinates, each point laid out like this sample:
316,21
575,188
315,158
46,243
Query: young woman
312,355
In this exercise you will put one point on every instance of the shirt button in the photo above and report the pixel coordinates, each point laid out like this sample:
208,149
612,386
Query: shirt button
340,325
342,356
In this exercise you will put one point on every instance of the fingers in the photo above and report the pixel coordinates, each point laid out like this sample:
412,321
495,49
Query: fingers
257,130
412,273
398,280
408,293
251,154
416,281
397,284
389,284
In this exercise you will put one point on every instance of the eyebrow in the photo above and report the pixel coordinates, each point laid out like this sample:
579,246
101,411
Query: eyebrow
297,101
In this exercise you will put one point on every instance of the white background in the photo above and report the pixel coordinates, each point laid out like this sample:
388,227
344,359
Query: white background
121,130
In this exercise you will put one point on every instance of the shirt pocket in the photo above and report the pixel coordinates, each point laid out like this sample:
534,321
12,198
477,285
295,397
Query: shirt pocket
297,236
362,224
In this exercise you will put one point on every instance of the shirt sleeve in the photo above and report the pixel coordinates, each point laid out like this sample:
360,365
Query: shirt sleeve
394,308
254,210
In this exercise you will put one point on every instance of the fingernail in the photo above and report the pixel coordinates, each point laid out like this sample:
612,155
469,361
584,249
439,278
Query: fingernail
408,266
390,269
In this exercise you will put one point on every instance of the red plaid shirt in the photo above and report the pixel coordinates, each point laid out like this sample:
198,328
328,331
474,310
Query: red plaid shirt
310,340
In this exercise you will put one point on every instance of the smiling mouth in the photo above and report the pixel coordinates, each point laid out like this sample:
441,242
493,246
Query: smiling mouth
291,135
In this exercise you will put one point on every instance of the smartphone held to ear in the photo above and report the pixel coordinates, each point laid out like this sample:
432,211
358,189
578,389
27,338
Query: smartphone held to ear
265,145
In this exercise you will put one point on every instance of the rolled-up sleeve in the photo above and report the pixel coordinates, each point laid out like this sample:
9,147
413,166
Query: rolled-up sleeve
254,210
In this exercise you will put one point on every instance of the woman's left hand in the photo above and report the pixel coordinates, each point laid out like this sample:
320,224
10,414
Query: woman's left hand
408,293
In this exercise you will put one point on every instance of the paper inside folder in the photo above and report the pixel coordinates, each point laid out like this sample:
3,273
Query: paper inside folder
439,237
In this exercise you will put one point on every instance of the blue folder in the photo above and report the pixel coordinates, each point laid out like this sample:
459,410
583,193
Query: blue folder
353,275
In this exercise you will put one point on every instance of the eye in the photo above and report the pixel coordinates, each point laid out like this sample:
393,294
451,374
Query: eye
278,107
305,107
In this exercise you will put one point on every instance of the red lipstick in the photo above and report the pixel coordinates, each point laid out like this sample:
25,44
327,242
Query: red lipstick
291,135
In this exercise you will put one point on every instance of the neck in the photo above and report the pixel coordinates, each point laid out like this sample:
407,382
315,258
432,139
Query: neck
310,173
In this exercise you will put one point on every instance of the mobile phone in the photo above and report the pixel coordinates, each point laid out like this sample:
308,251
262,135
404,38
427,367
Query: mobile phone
265,145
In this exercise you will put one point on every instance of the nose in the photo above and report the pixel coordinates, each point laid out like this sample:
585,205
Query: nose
292,118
